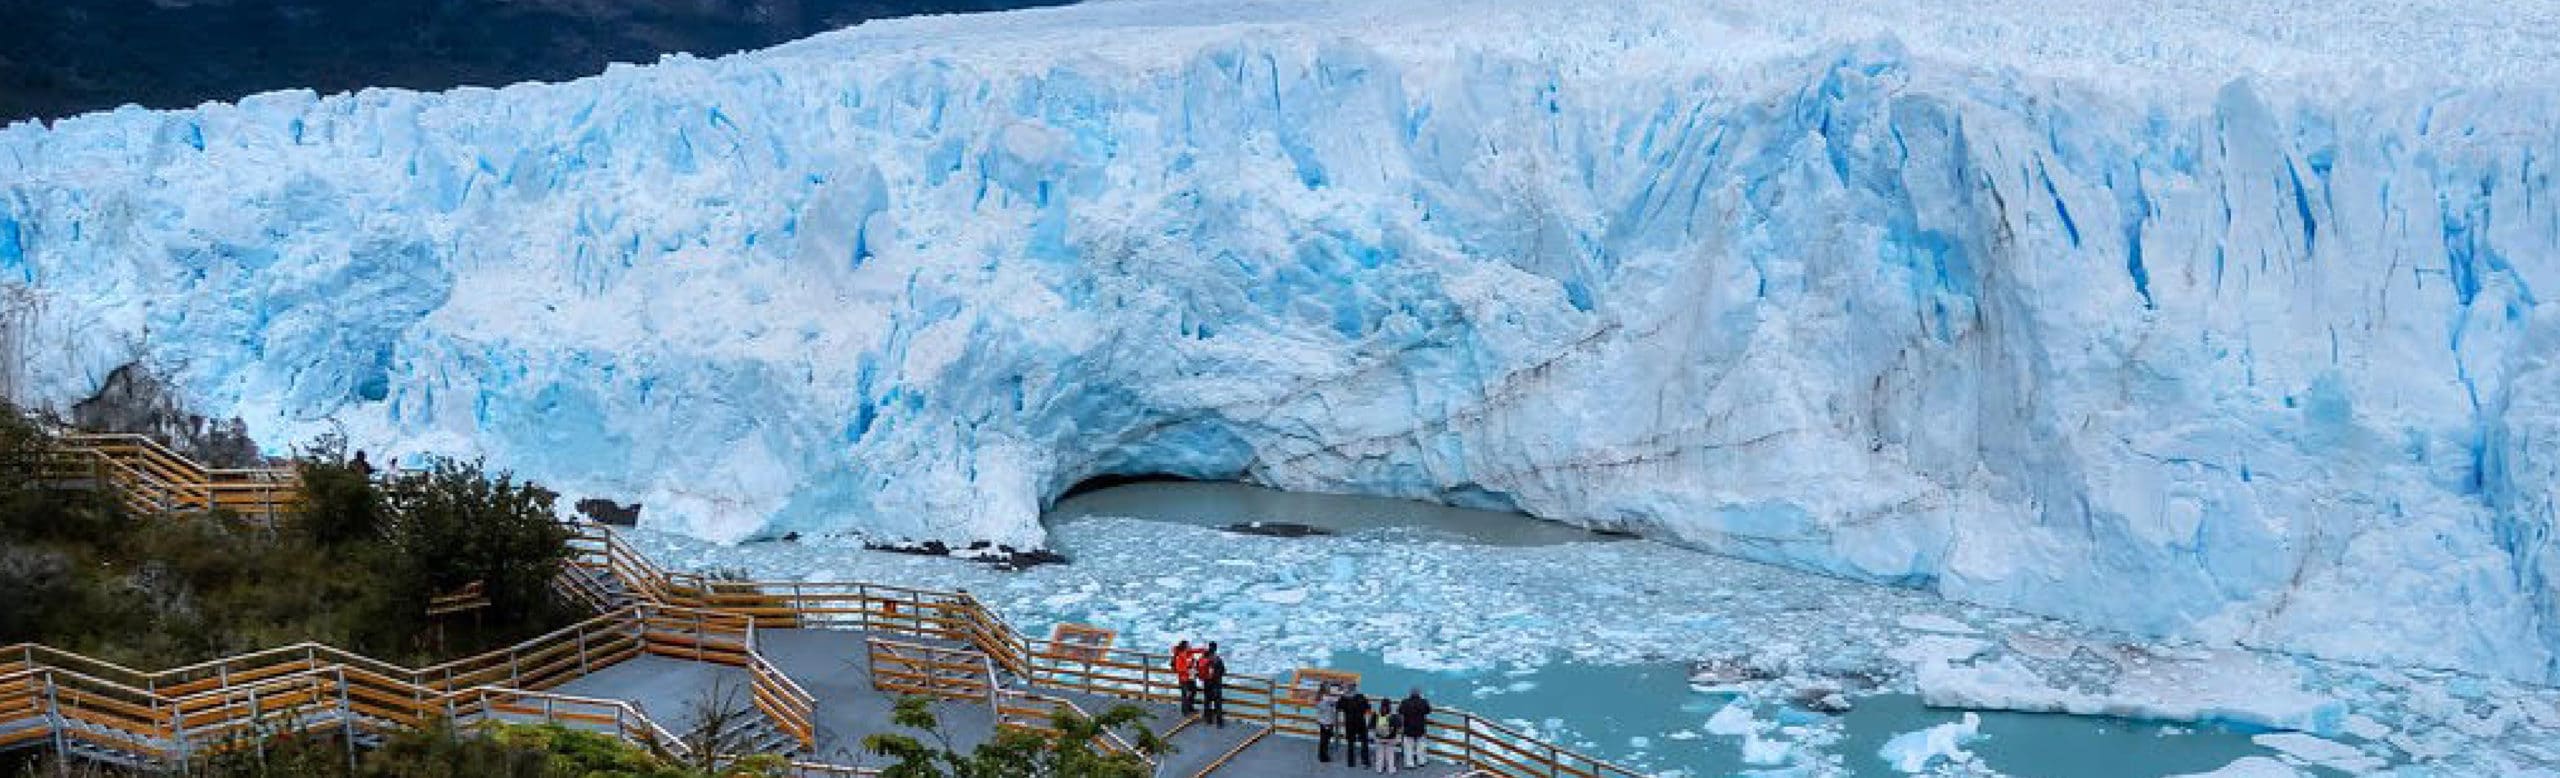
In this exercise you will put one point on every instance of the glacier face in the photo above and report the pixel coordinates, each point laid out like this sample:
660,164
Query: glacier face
2125,339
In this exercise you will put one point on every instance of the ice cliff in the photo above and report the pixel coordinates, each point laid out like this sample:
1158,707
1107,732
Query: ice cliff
2226,330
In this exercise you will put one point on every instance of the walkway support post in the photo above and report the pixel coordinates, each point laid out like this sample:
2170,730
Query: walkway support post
995,698
53,720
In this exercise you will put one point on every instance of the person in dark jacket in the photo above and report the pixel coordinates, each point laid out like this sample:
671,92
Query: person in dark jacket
1212,671
1355,727
1416,713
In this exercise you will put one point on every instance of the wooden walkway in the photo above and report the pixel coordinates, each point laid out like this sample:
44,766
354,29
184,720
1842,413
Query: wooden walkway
821,663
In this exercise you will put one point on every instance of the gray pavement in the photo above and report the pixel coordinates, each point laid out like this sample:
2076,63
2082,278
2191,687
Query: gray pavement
833,666
1290,757
668,690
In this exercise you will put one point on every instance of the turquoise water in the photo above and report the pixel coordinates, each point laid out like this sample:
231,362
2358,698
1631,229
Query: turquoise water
1630,713
1645,715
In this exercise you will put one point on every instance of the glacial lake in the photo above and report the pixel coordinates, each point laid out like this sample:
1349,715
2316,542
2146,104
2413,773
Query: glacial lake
1647,715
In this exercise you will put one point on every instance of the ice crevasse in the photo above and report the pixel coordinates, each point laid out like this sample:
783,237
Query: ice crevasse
2116,329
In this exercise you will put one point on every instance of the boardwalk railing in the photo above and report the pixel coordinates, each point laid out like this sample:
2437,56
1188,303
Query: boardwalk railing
1036,712
957,617
150,478
904,668
169,716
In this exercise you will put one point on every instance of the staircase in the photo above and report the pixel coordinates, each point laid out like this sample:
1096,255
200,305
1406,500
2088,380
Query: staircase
151,479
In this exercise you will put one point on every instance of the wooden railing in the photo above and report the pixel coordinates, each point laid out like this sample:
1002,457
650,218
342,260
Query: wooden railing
792,709
150,478
956,617
903,668
168,716
1036,712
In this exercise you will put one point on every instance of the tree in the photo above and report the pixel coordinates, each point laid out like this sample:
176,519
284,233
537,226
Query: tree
453,524
339,505
1067,752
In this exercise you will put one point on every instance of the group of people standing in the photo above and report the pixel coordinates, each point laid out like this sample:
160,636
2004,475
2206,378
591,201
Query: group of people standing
1373,731
1204,679
1379,733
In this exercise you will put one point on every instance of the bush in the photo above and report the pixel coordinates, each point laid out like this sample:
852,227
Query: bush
453,524
354,568
1068,752
435,751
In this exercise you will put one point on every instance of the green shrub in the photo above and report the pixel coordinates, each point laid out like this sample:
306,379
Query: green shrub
453,524
1068,752
338,503
354,568
435,751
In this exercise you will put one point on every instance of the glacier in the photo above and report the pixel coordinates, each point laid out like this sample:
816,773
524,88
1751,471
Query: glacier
2213,324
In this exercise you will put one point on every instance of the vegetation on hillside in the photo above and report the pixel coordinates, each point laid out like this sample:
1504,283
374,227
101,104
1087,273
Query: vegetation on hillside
437,751
354,567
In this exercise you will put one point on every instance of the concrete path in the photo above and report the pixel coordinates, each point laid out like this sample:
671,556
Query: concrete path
1289,757
668,690
834,666
1198,745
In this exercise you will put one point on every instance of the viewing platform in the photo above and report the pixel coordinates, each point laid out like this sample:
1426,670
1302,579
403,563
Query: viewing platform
818,666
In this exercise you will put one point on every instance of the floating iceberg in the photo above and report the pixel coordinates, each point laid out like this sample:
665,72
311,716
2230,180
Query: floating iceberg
2223,328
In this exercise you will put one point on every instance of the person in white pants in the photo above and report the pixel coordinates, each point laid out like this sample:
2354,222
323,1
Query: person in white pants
1414,716
1388,735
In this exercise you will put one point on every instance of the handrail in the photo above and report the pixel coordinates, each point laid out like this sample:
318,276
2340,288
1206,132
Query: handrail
170,714
153,478
1111,740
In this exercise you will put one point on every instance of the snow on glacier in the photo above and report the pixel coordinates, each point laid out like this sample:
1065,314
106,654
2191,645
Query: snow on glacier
2210,323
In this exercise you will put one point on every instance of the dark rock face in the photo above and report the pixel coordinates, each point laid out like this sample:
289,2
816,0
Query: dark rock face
64,57
134,401
609,513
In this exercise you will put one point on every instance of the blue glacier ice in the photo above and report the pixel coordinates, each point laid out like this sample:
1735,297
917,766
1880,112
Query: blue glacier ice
2226,328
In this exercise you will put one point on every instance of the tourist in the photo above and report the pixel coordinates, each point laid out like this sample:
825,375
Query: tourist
1328,719
1355,727
1182,661
1212,672
363,469
1416,713
1383,727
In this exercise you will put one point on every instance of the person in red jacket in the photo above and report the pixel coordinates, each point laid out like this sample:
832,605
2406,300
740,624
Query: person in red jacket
1183,657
